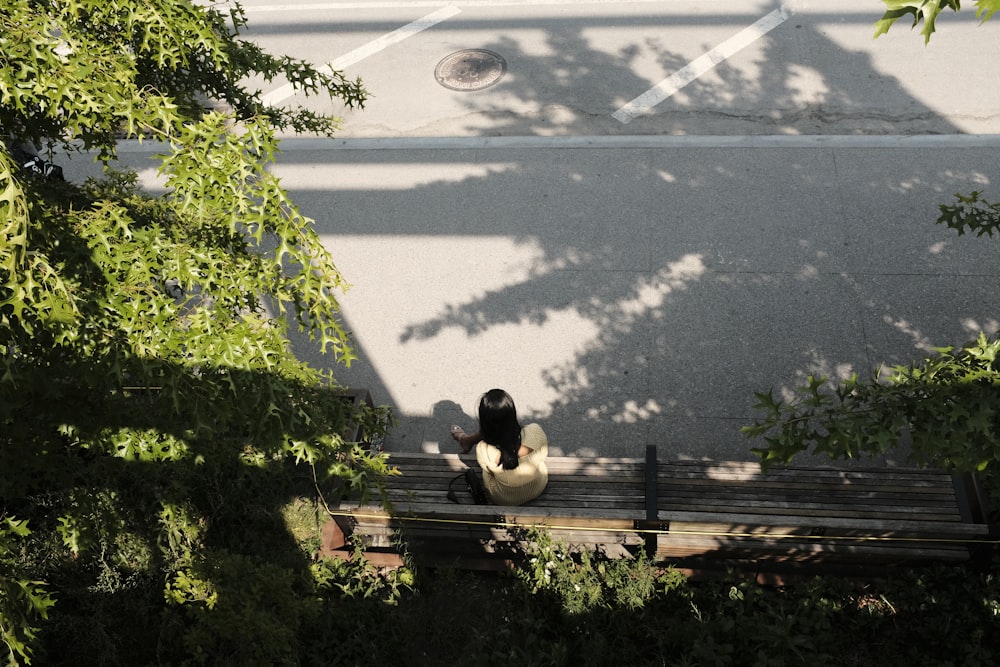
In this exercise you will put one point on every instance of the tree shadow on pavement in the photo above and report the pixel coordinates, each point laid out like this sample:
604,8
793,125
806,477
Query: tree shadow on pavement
640,296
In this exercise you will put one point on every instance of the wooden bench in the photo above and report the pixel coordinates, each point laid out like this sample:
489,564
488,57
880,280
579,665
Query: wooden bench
592,502
692,514
841,519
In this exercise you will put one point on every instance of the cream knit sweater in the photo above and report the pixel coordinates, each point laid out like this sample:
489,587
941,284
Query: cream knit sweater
527,480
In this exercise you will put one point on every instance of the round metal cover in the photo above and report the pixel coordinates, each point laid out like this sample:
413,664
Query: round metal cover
471,69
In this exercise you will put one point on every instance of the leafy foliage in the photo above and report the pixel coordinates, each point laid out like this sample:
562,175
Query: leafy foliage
152,413
971,214
927,11
931,617
22,601
948,406
582,581
90,70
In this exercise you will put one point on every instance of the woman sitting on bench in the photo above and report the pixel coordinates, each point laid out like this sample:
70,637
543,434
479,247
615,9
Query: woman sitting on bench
512,458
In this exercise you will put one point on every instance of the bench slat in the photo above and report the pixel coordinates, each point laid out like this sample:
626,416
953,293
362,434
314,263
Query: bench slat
874,527
705,510
680,546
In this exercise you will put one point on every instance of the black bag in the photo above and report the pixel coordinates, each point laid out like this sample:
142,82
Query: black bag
473,484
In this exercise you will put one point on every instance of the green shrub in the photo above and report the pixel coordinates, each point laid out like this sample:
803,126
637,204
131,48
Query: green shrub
581,580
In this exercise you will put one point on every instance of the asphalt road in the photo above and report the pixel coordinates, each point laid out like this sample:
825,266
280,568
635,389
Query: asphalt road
627,295
747,66
659,208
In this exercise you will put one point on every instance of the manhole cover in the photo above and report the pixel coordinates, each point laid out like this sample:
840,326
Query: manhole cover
471,69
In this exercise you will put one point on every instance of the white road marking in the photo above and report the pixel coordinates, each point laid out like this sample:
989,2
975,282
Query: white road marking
699,66
371,48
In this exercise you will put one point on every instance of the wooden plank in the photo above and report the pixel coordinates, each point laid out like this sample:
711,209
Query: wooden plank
713,509
781,506
805,486
446,509
810,544
798,548
452,540
552,496
567,498
651,498
874,526
809,505
384,534
774,508
923,484
574,522
779,551
872,501
939,487
710,526
582,466
533,514
555,482
720,469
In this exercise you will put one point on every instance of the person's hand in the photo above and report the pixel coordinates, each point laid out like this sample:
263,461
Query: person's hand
461,437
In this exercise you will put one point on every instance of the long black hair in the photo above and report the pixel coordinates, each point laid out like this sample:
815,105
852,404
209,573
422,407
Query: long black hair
499,426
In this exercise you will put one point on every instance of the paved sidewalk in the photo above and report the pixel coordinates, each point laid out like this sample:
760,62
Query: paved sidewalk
630,295
635,282
636,290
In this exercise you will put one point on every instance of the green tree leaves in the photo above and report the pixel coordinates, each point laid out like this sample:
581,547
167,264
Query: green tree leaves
219,179
22,601
971,214
921,10
94,70
986,9
149,396
947,408
927,12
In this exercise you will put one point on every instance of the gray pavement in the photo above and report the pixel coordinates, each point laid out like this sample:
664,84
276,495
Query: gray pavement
633,296
571,64
634,283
